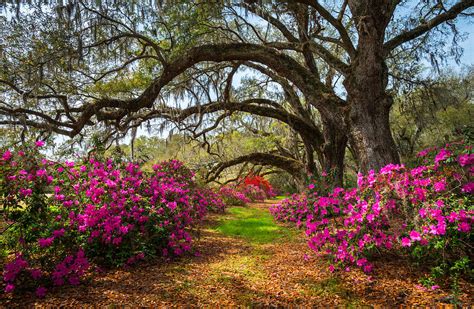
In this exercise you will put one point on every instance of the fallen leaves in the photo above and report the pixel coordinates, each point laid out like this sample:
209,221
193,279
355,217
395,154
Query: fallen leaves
229,271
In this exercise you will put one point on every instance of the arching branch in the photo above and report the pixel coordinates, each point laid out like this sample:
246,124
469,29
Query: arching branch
292,166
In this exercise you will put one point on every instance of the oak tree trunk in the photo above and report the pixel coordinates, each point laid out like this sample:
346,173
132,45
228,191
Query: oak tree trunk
366,87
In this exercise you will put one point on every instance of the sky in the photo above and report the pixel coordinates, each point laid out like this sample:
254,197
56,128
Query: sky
467,26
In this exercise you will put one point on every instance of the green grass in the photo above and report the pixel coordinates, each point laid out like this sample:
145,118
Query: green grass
280,197
253,224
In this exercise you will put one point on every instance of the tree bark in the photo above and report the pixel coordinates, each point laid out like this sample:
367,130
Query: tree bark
334,149
366,86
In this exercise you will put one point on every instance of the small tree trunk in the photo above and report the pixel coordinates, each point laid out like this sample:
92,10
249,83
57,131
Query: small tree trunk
334,149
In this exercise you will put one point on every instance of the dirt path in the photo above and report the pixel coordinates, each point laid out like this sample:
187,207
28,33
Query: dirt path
247,260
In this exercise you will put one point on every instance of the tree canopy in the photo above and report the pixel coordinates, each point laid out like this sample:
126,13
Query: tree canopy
328,70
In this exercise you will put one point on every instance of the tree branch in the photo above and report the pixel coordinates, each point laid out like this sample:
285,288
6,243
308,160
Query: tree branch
450,14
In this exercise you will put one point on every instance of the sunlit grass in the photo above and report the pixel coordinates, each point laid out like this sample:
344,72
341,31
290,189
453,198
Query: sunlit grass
253,224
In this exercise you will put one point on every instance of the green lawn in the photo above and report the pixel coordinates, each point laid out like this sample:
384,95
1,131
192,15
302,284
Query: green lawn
255,225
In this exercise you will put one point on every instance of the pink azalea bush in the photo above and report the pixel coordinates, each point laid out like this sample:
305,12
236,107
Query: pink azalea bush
64,219
233,196
254,193
242,195
425,212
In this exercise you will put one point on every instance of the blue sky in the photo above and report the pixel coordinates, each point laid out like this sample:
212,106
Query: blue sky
468,44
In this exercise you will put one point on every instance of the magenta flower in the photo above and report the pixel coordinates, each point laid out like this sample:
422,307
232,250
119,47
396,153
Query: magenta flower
406,242
415,236
41,173
468,188
36,273
41,292
466,159
442,155
58,233
464,227
440,185
7,155
423,153
39,143
45,242
9,288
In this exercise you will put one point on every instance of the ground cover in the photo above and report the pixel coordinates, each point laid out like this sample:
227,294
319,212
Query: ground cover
235,267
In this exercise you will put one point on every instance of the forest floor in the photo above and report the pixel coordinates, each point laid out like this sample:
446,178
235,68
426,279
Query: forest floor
243,258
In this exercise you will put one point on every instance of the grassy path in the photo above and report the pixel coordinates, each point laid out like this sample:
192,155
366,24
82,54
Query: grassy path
245,259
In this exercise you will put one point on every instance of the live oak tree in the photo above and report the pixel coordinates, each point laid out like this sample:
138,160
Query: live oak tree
68,67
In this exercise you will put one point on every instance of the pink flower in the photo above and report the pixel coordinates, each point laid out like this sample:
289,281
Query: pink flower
311,186
331,268
36,273
466,159
468,188
39,143
7,155
434,287
41,292
420,287
423,153
367,268
406,242
172,205
414,235
464,227
59,233
9,288
440,185
422,212
45,242
41,173
26,192
361,262
442,155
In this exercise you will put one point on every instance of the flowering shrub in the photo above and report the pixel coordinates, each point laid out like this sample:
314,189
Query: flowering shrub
260,183
253,193
233,196
210,199
426,212
253,188
64,217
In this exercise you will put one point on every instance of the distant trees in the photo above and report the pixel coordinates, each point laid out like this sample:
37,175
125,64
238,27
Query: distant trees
433,113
